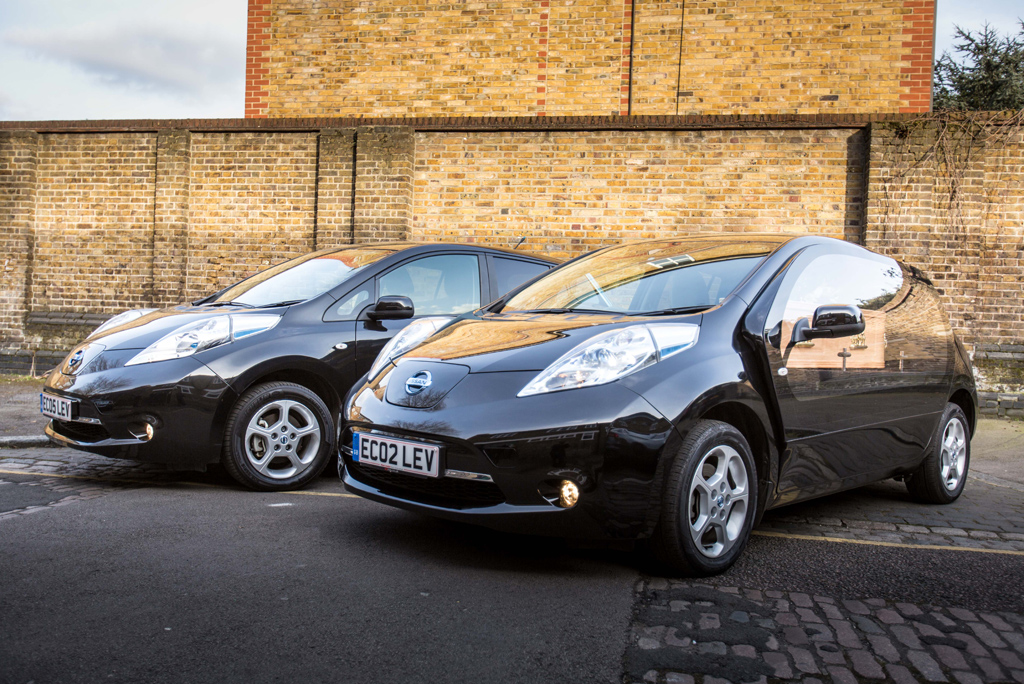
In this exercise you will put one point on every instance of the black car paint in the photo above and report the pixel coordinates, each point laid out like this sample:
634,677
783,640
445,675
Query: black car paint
615,440
188,399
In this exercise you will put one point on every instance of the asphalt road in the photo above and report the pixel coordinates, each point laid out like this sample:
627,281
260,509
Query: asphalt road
116,573
187,583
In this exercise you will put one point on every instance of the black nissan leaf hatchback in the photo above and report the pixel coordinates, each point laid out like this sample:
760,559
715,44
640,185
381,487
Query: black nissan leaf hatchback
253,375
670,390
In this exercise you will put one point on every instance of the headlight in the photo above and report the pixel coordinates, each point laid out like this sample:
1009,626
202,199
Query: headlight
409,337
121,319
613,355
205,334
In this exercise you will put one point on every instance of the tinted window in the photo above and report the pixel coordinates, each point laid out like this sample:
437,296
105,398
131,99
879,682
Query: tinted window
869,283
511,273
447,284
842,279
349,306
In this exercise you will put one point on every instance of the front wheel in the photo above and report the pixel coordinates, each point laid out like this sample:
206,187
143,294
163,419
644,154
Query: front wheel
941,476
279,436
710,500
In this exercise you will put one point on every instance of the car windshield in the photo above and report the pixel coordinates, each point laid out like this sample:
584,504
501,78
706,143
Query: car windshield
303,278
646,278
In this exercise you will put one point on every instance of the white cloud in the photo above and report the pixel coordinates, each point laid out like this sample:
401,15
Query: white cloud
113,59
168,58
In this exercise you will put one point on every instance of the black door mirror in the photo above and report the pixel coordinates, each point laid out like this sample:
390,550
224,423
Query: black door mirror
831,320
391,308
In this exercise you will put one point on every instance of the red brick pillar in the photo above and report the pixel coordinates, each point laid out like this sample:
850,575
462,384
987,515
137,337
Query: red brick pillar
257,60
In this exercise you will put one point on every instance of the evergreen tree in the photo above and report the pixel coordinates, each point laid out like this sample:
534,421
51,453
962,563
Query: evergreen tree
989,75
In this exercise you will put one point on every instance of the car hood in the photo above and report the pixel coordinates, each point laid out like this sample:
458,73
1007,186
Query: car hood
494,343
144,331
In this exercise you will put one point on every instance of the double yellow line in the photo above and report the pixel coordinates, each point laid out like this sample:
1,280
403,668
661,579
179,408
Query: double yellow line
895,545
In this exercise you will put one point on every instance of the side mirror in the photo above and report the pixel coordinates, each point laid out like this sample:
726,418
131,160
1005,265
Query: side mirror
391,308
831,320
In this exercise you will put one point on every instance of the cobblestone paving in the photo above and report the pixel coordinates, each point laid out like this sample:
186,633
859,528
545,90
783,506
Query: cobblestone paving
46,494
986,516
689,633
77,477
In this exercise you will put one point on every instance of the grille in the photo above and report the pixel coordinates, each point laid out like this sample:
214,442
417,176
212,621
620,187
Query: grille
81,432
440,491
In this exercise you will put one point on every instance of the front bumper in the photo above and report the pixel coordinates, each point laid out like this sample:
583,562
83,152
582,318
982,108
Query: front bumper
606,439
182,400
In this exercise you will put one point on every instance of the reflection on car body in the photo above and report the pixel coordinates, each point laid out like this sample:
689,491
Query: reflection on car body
674,390
253,375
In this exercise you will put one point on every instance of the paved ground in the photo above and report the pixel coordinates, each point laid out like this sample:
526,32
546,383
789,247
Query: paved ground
19,406
120,572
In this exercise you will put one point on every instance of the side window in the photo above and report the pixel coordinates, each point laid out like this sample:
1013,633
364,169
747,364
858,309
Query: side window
348,307
870,284
448,284
511,273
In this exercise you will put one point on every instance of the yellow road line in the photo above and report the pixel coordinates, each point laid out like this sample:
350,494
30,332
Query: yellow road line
972,476
341,494
897,545
122,480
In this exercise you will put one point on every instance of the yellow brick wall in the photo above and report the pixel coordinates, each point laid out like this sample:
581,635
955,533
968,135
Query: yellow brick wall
575,191
93,222
362,58
792,57
251,200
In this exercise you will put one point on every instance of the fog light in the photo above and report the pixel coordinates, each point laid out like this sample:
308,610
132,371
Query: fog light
568,494
142,431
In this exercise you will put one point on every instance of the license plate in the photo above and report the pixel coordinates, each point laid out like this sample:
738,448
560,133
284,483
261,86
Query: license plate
56,407
396,454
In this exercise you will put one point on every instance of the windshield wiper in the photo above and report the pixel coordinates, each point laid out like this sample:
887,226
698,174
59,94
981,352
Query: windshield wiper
676,310
570,310
241,304
284,303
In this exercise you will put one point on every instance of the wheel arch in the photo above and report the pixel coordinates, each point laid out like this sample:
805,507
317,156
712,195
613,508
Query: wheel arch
741,406
300,376
752,426
309,374
965,400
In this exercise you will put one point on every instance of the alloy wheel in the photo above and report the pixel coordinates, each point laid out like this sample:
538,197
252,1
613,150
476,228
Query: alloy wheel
718,500
282,439
953,457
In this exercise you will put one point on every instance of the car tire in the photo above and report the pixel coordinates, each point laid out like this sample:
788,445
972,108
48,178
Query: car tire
710,501
941,476
279,436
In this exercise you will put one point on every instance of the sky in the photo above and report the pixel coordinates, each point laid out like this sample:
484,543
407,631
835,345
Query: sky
177,59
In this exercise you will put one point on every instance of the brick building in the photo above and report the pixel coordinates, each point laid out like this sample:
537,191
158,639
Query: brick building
423,58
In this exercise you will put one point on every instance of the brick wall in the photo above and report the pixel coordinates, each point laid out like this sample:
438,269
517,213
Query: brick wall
968,181
94,223
574,191
19,158
587,57
93,226
251,199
